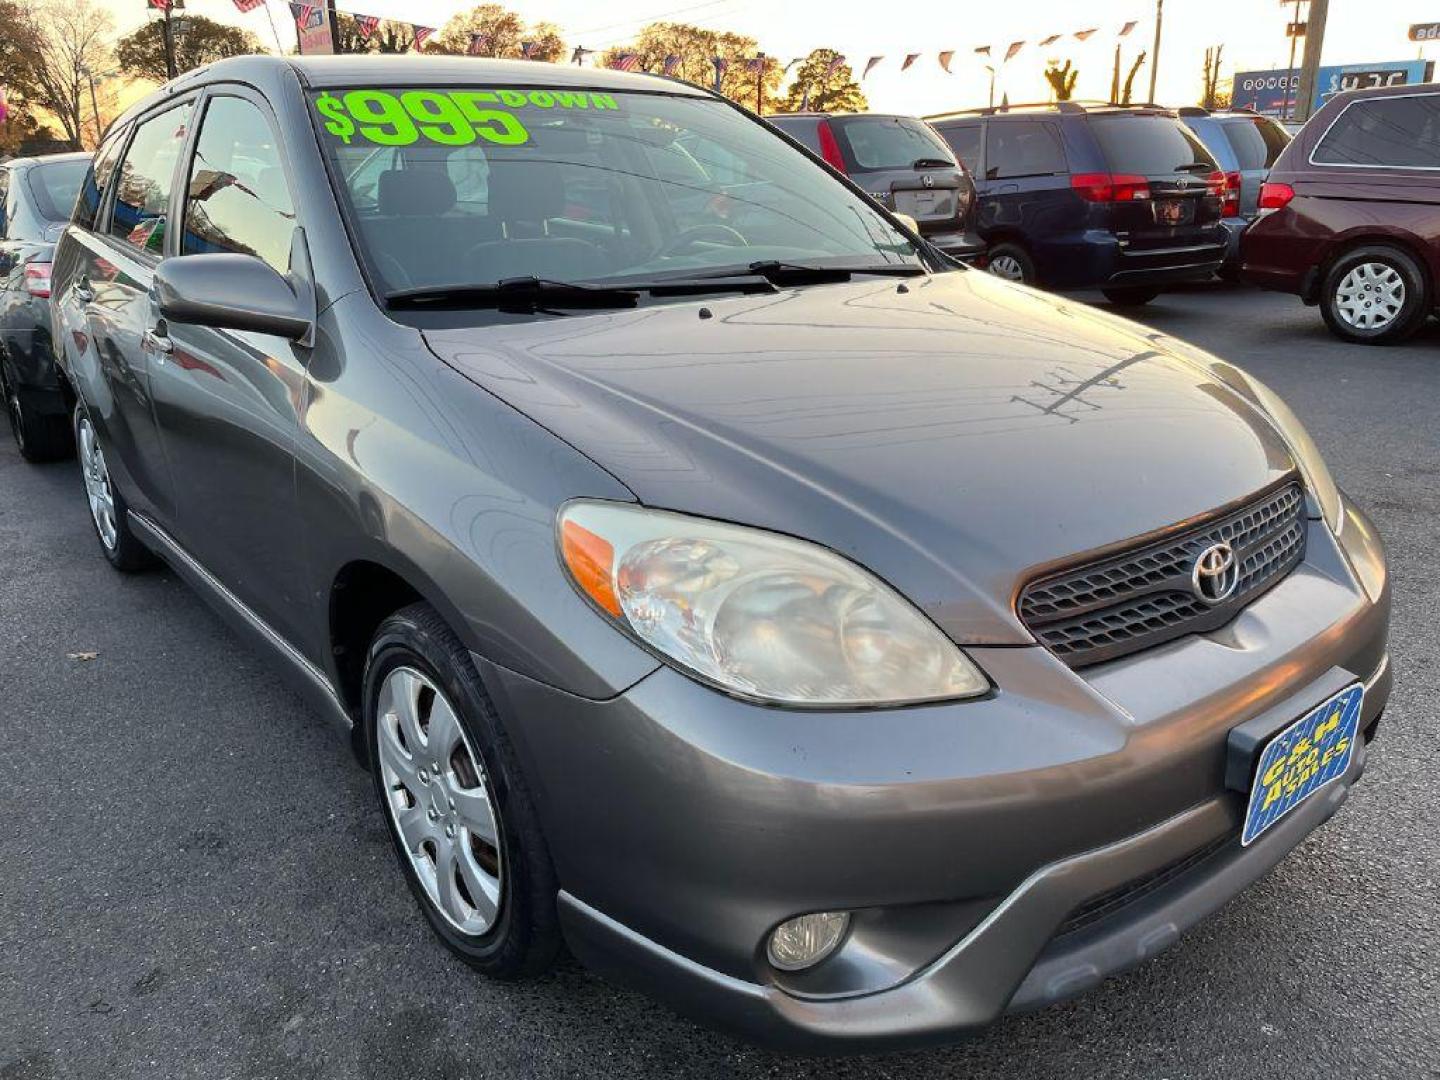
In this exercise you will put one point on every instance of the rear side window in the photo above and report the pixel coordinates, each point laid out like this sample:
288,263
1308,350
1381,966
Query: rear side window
964,140
1257,143
56,187
1397,133
92,186
237,199
872,143
1023,148
142,194
1150,145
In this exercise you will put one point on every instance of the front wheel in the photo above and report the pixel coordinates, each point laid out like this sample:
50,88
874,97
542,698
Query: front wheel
1375,295
1011,262
1130,295
460,817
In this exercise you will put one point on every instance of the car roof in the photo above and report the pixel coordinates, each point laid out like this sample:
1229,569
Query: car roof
839,116
321,72
47,159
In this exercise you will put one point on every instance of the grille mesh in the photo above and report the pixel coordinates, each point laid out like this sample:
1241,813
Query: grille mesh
1139,598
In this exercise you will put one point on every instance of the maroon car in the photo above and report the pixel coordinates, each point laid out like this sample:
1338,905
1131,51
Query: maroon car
1350,216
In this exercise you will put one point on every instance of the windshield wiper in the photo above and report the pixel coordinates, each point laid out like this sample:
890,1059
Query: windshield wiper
788,273
932,163
519,294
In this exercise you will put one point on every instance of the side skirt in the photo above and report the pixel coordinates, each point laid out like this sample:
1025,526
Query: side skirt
305,676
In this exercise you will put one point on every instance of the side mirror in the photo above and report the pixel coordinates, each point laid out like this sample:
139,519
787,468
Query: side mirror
231,292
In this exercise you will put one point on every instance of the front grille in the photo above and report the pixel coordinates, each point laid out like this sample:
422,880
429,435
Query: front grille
1143,596
1114,900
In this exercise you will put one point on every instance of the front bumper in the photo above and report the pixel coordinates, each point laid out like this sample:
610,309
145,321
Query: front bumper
964,838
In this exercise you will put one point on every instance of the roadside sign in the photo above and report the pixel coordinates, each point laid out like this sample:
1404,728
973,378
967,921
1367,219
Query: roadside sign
1296,29
1266,91
1425,31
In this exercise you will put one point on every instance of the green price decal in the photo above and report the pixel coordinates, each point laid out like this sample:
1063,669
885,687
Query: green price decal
450,118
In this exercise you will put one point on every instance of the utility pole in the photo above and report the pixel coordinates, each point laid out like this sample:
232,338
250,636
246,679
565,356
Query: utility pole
1314,46
760,85
167,34
1155,52
1285,110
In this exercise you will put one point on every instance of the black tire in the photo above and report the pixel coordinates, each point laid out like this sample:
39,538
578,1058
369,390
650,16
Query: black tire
126,553
1022,262
1418,300
40,437
1131,295
525,938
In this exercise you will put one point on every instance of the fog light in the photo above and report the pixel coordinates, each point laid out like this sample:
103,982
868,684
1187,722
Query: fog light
804,941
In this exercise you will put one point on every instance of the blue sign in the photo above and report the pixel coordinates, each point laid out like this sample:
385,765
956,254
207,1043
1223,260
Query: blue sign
1268,91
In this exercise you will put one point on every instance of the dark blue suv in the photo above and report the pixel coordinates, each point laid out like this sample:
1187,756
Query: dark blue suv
1121,198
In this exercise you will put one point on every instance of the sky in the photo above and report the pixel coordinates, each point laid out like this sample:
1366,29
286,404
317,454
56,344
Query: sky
1252,31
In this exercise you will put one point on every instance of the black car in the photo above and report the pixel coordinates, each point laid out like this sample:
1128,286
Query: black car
903,164
36,196
1121,198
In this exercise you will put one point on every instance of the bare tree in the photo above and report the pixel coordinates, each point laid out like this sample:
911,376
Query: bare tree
62,45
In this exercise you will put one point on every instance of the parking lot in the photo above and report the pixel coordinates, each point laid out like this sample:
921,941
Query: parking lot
195,881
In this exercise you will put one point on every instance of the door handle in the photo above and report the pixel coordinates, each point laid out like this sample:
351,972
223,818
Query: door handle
82,290
157,341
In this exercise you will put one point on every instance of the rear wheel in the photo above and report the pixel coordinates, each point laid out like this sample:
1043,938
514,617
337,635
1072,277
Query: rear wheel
1011,262
1375,295
40,436
108,511
1130,295
464,828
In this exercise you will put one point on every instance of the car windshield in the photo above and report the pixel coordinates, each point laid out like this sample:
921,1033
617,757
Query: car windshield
476,185
56,186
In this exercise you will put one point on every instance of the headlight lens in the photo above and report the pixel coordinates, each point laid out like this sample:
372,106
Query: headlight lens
760,615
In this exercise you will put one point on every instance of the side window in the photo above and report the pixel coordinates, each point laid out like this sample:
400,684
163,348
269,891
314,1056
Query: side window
97,177
1023,148
1276,139
237,198
804,131
964,139
142,194
1390,132
4,202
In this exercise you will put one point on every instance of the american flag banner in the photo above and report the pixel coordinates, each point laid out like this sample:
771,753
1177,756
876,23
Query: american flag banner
245,6
302,13
835,64
910,58
1013,50
1125,30
755,65
527,49
671,65
945,58
366,24
4,103
1084,35
626,62
479,43
870,66
422,34
160,5
1050,40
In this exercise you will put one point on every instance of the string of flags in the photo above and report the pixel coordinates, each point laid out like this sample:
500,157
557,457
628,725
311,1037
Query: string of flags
365,25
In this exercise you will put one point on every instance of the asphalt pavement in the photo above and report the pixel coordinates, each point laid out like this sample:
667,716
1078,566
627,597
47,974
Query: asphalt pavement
195,881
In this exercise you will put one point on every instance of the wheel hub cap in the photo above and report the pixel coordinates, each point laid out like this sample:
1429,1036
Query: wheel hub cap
97,484
1007,267
1371,296
439,801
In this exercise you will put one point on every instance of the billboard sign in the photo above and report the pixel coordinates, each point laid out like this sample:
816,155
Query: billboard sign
315,32
1425,31
1266,91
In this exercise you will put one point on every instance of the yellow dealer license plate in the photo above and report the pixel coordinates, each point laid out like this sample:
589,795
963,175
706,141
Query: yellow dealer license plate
1302,759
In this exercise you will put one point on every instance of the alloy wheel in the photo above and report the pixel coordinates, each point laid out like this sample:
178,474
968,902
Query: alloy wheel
439,801
1007,267
97,484
1371,296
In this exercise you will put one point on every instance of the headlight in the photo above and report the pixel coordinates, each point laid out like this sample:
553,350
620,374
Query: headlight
760,615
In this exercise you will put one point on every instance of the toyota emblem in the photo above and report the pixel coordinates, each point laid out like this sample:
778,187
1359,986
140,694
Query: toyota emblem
1216,574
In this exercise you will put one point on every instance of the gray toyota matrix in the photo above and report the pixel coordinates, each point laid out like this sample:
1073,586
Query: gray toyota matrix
846,646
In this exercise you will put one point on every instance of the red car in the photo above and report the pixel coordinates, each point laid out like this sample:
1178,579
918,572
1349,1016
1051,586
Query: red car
1350,215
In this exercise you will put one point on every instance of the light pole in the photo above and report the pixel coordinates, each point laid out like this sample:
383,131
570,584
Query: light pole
1294,37
1314,46
1155,53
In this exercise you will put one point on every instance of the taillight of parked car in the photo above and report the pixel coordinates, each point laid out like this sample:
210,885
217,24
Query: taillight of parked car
1110,187
1226,185
1275,196
830,146
37,279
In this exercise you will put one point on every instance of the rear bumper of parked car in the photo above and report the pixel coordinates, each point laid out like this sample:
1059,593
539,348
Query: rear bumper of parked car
30,368
996,855
1099,258
964,246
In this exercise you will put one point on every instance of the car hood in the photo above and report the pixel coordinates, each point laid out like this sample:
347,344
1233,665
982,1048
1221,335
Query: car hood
956,435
